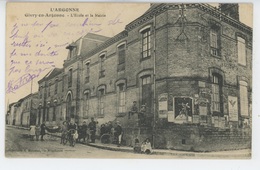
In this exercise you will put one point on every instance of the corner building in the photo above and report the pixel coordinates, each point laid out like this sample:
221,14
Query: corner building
189,64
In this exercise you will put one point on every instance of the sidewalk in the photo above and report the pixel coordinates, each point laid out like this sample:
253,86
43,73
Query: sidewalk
233,154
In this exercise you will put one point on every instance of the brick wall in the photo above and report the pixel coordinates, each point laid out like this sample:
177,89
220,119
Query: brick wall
192,138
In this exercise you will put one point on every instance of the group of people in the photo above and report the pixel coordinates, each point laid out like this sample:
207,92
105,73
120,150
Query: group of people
144,147
37,131
81,131
141,113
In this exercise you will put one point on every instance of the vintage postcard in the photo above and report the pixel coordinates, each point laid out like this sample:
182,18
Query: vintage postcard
128,80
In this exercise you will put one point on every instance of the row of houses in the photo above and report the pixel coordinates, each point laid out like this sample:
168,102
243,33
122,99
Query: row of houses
23,112
188,64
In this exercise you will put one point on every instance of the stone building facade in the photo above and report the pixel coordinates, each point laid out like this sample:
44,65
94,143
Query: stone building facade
188,64
25,111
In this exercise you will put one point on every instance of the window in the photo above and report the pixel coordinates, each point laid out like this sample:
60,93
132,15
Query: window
102,70
121,98
243,98
43,116
101,101
47,116
146,80
62,88
70,78
241,51
146,43
86,104
49,89
216,93
87,73
54,114
121,54
56,86
215,40
40,91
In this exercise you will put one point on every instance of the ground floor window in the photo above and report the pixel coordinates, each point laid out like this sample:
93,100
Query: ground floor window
243,98
121,98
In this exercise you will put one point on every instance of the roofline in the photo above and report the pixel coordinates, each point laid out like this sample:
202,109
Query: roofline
202,6
60,70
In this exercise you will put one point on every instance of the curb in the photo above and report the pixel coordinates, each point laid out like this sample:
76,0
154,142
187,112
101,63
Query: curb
121,149
18,127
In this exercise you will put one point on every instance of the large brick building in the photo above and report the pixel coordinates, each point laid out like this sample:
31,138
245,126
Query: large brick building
187,63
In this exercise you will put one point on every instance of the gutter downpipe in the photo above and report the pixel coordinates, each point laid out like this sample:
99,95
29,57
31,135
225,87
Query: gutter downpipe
154,80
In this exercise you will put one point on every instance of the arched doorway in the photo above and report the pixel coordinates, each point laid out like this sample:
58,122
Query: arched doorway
69,111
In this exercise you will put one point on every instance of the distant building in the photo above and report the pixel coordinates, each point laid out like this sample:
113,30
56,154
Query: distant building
24,112
186,64
11,114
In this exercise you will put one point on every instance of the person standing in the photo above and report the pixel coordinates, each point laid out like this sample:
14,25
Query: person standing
92,129
84,129
141,115
118,133
37,132
43,128
32,132
133,110
64,131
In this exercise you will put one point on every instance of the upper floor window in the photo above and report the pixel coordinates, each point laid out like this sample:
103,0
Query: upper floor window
56,86
40,91
146,42
87,73
121,54
215,40
86,104
49,89
241,50
62,88
70,78
101,94
102,69
243,98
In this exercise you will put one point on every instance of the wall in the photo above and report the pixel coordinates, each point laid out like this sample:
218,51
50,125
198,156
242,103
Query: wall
198,138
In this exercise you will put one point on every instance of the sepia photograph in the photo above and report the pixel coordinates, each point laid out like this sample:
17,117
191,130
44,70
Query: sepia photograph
128,80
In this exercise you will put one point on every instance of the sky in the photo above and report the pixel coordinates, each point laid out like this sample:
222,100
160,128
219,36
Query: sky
36,44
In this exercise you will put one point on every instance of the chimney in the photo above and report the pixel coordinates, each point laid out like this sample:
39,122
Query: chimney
231,10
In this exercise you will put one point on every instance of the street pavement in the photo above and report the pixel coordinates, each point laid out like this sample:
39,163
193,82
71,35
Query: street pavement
17,144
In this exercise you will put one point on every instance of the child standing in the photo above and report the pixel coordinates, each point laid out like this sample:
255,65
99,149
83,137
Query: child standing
37,132
32,132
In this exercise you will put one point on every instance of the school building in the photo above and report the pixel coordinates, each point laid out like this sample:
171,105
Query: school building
190,65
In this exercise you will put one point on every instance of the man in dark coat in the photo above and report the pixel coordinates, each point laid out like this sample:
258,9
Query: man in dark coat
43,128
84,129
92,129
118,133
133,110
